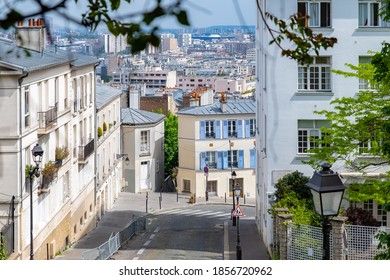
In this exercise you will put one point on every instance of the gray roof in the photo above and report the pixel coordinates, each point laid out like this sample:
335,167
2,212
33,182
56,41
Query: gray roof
234,107
29,60
105,94
132,116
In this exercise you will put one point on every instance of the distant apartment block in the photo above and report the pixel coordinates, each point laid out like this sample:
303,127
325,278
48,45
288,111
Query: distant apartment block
154,77
193,82
184,40
114,44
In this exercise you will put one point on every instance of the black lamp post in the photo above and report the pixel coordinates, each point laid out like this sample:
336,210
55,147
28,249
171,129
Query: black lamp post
237,192
37,154
234,206
327,190
206,173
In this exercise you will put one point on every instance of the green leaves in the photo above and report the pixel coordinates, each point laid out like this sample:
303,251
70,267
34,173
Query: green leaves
305,42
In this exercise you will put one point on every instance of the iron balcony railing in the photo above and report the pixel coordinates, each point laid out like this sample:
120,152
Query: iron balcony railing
210,135
48,118
85,150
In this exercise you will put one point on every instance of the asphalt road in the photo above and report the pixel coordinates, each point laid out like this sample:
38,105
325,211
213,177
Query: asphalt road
193,233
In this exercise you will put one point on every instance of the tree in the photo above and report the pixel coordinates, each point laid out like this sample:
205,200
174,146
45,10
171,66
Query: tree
3,253
171,144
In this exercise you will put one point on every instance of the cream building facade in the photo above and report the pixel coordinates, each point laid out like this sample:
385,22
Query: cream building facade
109,160
46,98
220,136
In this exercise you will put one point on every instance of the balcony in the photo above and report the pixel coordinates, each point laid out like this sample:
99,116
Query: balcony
47,120
210,135
232,134
85,150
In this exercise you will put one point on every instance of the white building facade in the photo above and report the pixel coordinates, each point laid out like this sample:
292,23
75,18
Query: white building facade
288,93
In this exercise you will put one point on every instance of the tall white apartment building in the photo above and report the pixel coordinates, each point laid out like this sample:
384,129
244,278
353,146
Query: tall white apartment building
114,44
288,93
184,40
46,98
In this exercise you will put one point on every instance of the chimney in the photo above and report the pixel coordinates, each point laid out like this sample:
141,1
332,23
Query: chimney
223,103
33,36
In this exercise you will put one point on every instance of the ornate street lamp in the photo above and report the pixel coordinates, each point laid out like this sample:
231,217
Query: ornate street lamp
327,190
237,191
37,154
234,206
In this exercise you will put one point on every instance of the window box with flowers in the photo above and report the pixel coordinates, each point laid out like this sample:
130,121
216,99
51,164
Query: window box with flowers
49,173
61,154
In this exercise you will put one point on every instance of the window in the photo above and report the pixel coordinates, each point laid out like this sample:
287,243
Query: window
364,83
26,106
252,127
211,160
315,76
381,215
144,141
232,130
318,13
369,14
308,132
232,159
210,131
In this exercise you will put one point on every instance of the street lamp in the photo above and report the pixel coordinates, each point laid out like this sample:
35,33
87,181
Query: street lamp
327,190
119,156
206,173
234,206
37,154
237,191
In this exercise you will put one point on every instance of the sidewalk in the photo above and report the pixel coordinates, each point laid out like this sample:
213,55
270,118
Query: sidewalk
130,205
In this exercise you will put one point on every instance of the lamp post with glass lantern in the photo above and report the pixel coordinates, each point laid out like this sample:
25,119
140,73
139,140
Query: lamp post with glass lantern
237,192
37,154
327,190
234,206
206,174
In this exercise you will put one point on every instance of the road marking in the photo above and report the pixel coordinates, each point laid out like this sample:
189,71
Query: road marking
135,258
152,236
140,252
156,230
147,243
226,240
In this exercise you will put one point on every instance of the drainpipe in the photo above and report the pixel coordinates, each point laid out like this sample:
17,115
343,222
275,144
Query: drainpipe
20,81
95,131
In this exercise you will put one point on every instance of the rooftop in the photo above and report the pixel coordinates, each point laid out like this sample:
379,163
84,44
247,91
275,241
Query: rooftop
233,107
132,116
105,94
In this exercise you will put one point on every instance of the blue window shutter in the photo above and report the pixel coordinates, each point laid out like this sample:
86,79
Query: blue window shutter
202,134
225,160
220,160
247,129
225,129
202,160
253,158
241,159
239,129
218,129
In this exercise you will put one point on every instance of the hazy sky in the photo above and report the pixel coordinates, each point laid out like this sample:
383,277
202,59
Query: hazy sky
202,13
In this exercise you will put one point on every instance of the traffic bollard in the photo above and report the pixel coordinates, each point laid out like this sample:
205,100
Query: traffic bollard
147,197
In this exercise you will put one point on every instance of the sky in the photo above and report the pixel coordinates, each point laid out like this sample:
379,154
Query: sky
202,13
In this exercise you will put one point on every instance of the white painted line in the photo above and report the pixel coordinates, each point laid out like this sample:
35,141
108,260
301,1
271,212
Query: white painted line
156,230
135,258
140,252
223,215
147,243
226,240
152,236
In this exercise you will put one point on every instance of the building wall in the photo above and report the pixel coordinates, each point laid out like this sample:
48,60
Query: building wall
191,146
277,149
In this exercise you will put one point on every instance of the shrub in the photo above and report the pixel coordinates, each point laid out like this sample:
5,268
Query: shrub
62,153
104,127
49,171
361,217
100,132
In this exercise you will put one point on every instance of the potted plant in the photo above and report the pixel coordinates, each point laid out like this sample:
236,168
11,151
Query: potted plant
104,127
100,132
61,154
49,172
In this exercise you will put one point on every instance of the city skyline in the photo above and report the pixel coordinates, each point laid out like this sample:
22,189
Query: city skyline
201,13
